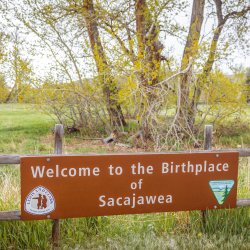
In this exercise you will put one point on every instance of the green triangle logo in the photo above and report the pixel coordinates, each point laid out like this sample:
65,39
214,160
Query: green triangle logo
221,189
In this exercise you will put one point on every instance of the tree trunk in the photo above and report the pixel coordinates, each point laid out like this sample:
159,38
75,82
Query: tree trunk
149,46
190,52
12,91
149,58
203,77
110,90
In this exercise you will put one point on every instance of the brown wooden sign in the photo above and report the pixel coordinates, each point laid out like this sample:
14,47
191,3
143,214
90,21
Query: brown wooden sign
91,185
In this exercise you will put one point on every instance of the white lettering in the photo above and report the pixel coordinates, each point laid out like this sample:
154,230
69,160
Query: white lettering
150,199
72,172
96,171
57,171
211,167
225,167
169,199
198,169
118,201
150,170
140,200
164,168
161,199
218,167
118,170
37,171
110,202
84,171
62,172
101,199
50,172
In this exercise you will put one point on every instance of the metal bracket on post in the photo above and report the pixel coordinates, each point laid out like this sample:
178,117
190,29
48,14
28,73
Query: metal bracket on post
208,137
59,132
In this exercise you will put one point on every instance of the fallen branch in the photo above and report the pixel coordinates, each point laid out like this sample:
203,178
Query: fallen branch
113,136
88,139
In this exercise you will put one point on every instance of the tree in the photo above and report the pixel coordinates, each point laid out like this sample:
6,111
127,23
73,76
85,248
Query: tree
21,73
59,26
135,26
189,55
234,13
148,57
248,85
221,22
143,48
108,82
4,90
225,194
86,10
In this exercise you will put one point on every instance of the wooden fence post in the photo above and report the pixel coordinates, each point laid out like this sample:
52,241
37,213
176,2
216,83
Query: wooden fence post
208,133
208,137
59,131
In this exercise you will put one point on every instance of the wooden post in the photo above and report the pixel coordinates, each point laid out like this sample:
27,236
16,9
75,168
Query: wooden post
208,137
59,131
208,133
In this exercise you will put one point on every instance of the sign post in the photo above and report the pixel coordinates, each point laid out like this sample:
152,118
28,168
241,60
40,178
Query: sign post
208,133
58,148
58,187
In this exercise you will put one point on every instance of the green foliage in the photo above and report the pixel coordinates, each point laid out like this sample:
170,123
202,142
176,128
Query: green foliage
223,90
234,132
224,97
247,85
4,90
248,76
22,76
74,105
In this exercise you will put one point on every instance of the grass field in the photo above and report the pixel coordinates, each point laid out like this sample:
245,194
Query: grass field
24,130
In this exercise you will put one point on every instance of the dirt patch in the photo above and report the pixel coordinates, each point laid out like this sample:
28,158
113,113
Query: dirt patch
78,145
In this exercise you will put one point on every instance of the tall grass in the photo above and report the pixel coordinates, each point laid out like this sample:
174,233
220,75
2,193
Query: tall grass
21,129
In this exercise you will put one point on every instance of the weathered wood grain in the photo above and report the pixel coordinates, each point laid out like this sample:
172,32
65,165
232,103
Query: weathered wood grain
208,140
15,215
9,159
243,202
59,132
10,215
208,137
15,159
